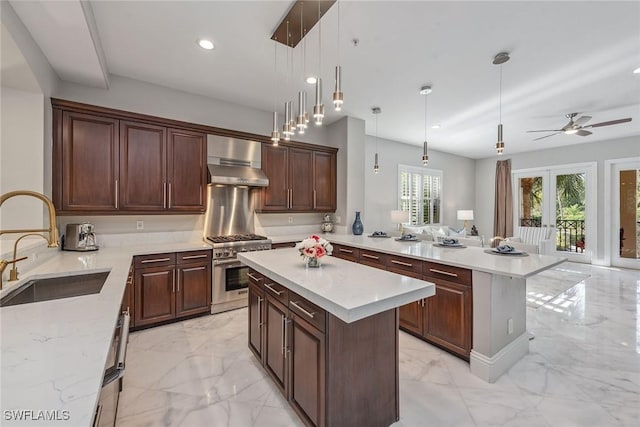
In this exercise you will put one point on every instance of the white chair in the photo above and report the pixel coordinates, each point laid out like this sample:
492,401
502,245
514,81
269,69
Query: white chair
536,240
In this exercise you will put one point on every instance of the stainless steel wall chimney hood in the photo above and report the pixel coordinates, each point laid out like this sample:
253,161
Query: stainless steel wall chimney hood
235,162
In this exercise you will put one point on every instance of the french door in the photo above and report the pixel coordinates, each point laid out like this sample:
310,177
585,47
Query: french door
625,233
562,197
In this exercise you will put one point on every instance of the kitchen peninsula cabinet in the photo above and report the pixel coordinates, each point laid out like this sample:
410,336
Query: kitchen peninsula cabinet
171,286
114,162
302,178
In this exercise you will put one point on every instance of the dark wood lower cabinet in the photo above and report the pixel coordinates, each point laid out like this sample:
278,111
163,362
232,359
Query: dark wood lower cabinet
332,373
412,317
170,286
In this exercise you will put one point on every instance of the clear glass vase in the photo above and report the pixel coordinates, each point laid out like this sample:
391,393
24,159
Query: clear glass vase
313,262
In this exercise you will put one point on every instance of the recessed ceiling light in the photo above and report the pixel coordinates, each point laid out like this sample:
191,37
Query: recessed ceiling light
205,44
435,127
311,80
636,71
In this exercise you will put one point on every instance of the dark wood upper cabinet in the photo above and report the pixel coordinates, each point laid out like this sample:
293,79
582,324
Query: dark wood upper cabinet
275,164
186,171
143,156
85,165
302,178
114,162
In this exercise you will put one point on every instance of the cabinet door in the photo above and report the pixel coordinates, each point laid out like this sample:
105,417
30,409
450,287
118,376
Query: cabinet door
448,318
193,286
275,163
307,371
256,304
187,171
155,299
89,169
324,181
411,317
143,159
275,324
301,179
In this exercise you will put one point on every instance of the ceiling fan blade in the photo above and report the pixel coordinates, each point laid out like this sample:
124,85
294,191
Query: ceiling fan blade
543,137
547,130
583,132
582,120
609,123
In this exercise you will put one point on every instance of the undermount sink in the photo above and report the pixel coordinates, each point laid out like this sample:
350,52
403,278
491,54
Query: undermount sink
59,287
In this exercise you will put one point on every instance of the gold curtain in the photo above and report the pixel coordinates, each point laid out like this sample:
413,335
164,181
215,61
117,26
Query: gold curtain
503,217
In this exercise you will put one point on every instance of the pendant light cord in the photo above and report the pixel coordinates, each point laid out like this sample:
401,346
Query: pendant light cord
500,96
338,47
425,118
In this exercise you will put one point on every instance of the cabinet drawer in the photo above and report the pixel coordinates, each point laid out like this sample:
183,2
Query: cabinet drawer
189,257
307,310
155,260
373,259
447,272
255,278
276,290
404,264
346,252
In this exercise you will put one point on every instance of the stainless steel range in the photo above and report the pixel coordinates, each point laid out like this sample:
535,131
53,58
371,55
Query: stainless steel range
229,225
230,280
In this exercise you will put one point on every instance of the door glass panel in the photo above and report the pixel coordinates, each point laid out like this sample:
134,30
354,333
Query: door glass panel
630,213
530,209
236,278
570,212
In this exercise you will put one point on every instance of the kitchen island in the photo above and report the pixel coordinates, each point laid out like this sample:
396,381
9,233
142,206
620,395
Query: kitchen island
328,336
496,287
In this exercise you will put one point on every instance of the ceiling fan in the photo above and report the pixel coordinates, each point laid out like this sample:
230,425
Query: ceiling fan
574,127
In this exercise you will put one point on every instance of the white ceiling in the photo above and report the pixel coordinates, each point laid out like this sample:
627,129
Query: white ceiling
575,56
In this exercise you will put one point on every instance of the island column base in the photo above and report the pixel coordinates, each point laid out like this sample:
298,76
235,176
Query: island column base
490,368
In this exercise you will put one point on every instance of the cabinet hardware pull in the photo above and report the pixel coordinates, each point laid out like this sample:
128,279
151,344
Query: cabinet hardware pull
446,273
422,302
147,261
314,199
275,291
173,283
370,256
295,304
260,322
169,195
290,192
164,195
285,349
195,256
178,282
406,264
284,344
257,279
117,188
345,250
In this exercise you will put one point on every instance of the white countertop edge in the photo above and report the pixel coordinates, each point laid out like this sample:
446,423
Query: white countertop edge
346,314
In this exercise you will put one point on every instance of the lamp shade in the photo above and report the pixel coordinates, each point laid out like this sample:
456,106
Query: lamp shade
465,215
399,217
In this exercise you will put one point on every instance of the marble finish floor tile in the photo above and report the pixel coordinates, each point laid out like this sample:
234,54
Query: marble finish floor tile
583,369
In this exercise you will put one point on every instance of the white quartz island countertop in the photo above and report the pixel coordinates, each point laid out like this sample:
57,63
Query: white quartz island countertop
54,352
471,257
345,289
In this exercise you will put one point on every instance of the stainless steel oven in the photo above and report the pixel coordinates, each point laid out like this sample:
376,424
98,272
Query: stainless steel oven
231,285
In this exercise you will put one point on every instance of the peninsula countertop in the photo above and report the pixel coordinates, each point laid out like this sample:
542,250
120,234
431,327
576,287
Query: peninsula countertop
471,257
345,289
54,352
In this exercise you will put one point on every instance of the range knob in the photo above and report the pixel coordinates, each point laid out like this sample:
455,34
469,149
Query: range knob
218,254
225,253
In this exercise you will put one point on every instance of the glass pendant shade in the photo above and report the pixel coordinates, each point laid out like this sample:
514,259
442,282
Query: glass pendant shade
425,156
376,166
500,143
275,135
300,122
318,108
338,96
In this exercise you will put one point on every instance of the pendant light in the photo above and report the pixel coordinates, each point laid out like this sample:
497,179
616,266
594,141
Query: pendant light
318,108
275,135
500,59
376,166
338,96
424,91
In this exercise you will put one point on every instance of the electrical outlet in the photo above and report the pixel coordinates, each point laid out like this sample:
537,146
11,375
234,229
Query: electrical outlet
290,220
139,225
510,326
338,220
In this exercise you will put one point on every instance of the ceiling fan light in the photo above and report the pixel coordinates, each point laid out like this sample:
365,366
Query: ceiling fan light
571,131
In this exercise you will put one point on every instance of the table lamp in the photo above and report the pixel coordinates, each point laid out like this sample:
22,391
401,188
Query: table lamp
466,216
400,217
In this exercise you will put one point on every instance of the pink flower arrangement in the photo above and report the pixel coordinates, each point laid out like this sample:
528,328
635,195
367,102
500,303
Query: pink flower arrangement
314,247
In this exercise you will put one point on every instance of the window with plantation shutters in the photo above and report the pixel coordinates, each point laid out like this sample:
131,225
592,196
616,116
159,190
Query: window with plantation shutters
420,193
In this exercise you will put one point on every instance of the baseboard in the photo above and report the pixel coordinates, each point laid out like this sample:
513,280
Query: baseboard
491,368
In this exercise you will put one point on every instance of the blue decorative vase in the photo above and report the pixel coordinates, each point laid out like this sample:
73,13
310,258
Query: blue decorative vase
357,228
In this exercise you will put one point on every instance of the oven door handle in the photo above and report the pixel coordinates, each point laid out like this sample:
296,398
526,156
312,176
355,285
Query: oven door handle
116,371
226,263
